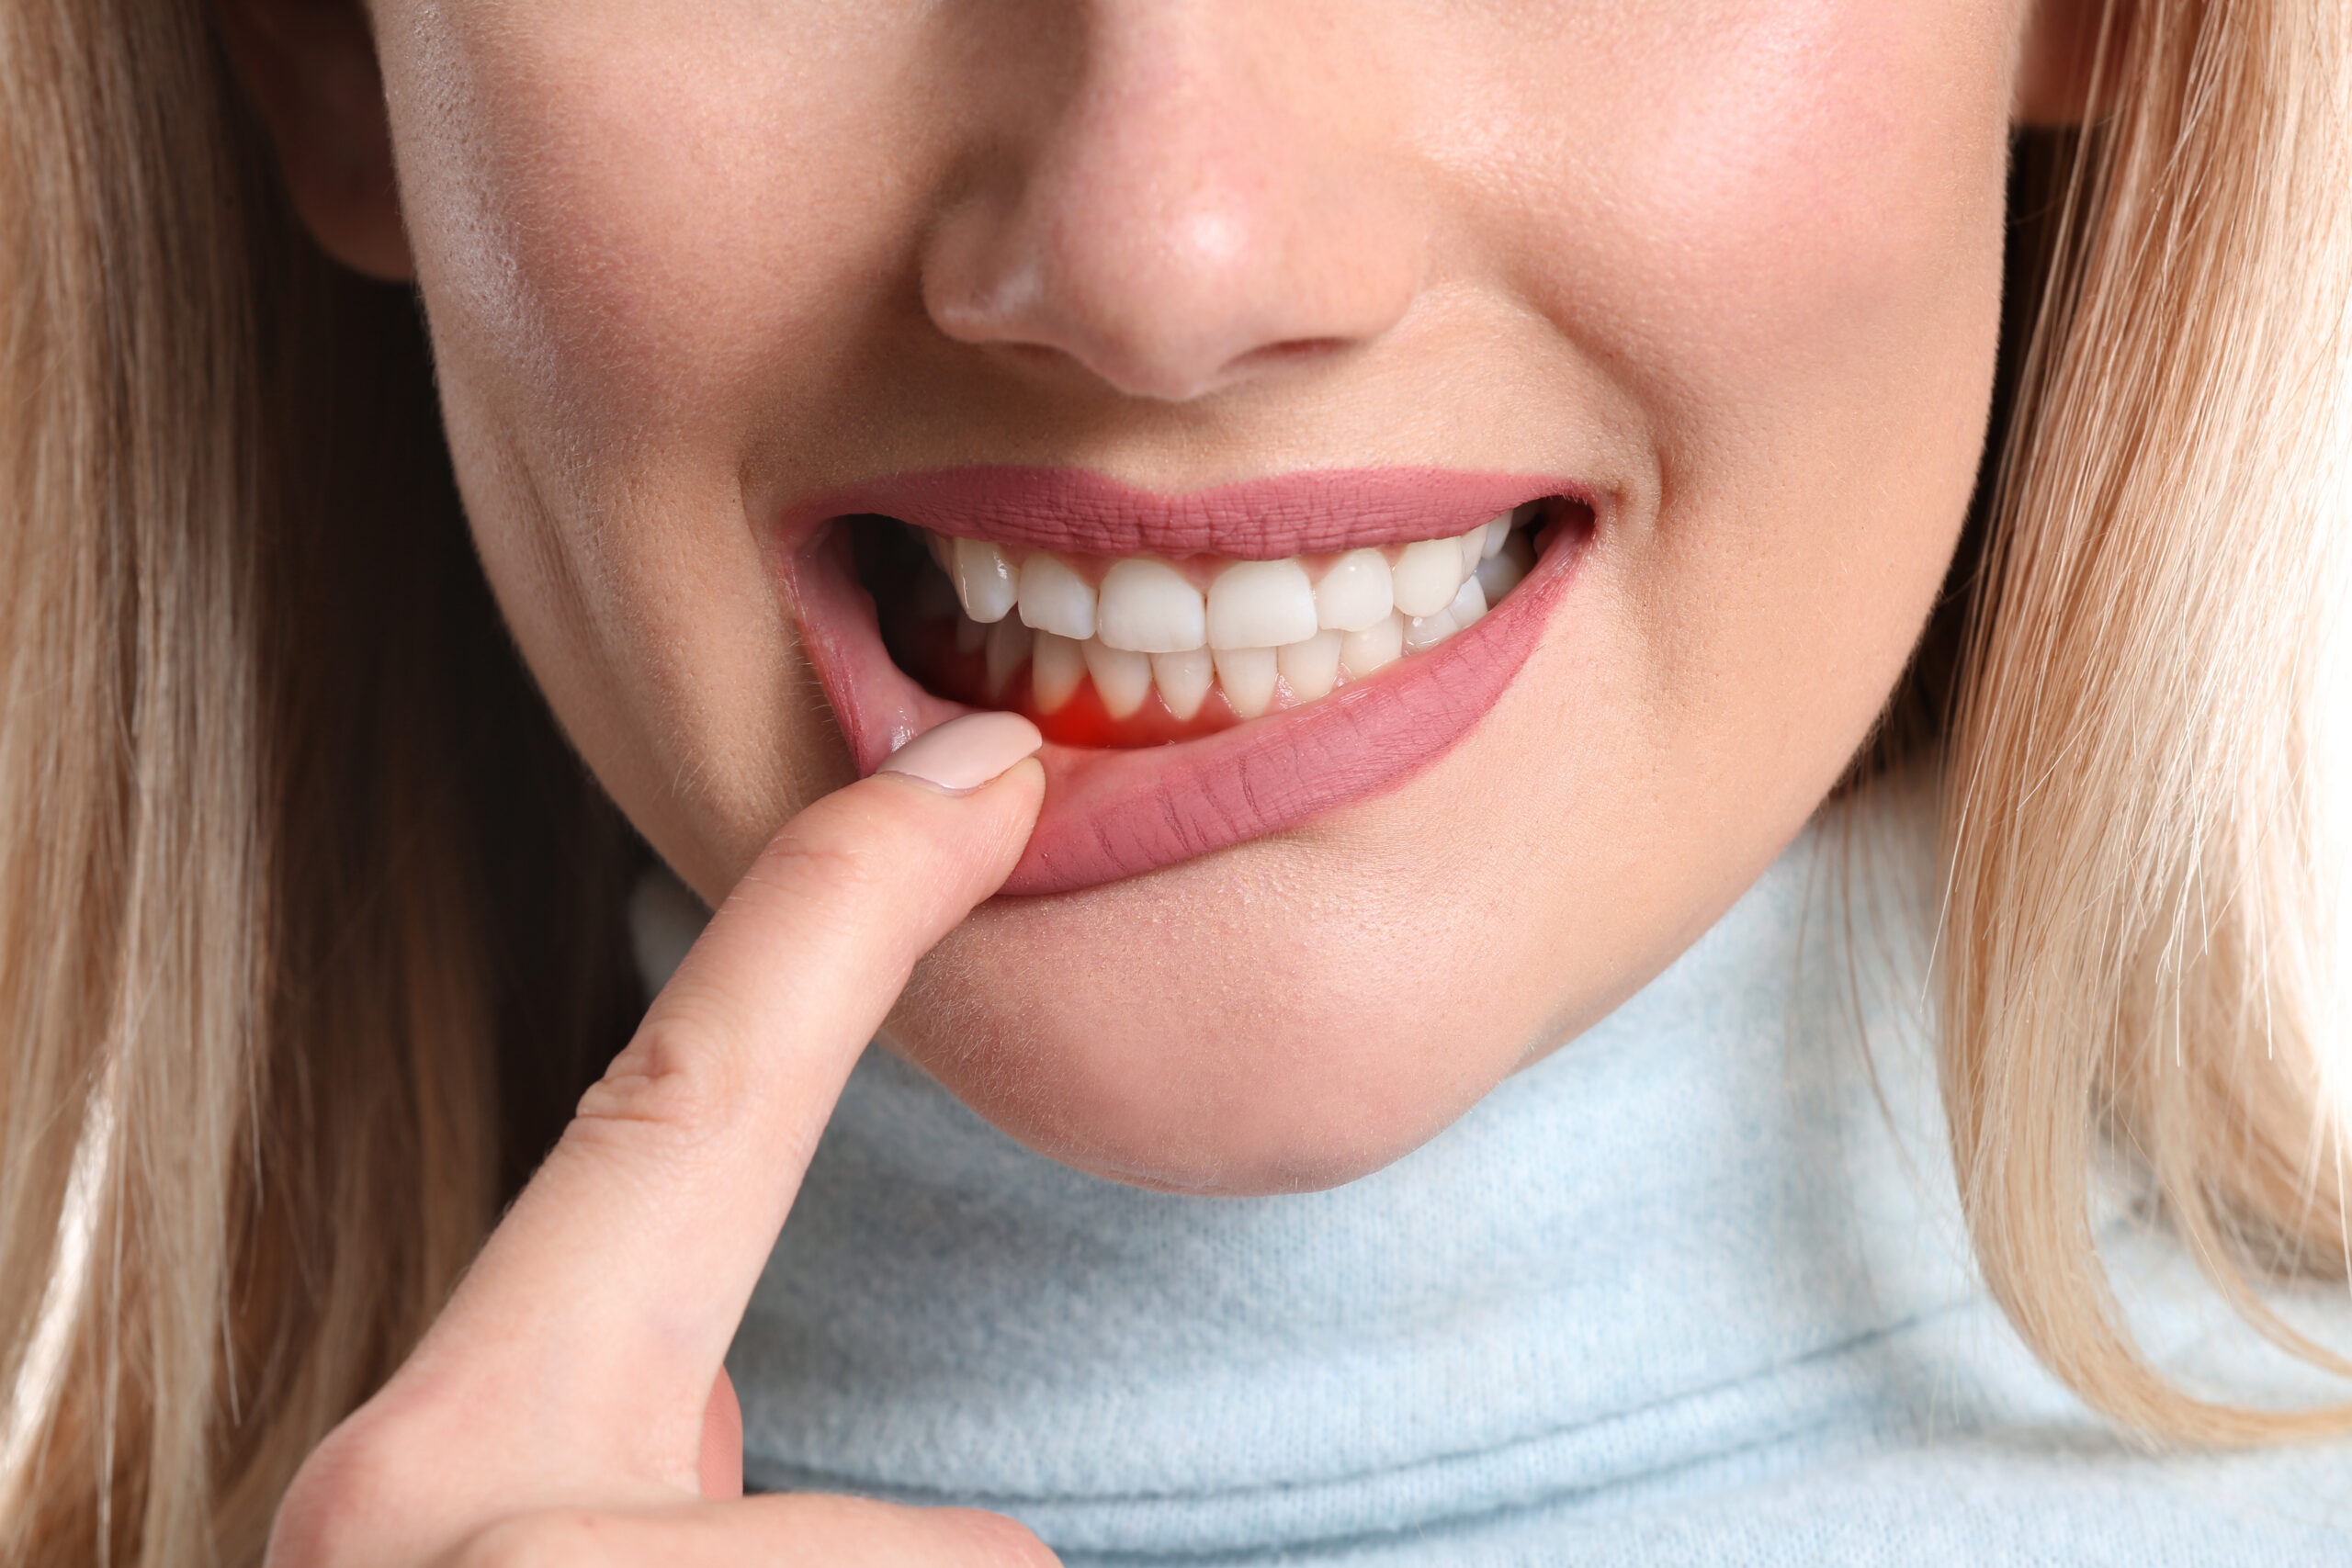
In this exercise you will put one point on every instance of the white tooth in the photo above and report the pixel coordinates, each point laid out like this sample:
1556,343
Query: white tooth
1247,676
984,579
1056,599
971,636
1474,549
1312,668
1122,679
1497,532
1468,604
1380,644
1428,575
1355,594
942,548
1150,607
1183,680
1260,603
1497,575
1008,646
1427,631
1056,667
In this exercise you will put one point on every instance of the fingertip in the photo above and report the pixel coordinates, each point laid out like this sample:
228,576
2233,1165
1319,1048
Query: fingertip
966,752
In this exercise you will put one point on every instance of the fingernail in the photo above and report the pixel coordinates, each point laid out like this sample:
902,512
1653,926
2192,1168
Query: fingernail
966,752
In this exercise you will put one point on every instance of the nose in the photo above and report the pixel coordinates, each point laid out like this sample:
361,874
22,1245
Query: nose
1210,200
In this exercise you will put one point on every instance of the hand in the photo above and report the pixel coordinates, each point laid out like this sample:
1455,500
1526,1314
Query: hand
569,1407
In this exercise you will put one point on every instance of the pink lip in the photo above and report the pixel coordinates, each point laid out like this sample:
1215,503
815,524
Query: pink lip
1111,814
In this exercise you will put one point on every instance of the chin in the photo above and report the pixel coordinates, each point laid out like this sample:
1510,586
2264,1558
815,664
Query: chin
1120,1029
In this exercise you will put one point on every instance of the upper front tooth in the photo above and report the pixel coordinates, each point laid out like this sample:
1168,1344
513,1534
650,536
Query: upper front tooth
1497,532
1427,576
984,579
1474,549
1056,599
1357,593
1148,606
1261,604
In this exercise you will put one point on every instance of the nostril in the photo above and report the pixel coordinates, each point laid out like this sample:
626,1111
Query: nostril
1296,351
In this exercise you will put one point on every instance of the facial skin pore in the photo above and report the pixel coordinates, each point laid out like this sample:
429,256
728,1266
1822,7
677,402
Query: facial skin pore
1736,264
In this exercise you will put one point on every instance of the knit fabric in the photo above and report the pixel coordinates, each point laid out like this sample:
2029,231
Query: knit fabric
1691,1290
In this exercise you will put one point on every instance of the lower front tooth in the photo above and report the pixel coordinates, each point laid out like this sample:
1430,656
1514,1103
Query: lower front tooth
1427,631
1311,667
1122,679
1183,680
1247,676
971,636
1056,667
1008,647
1376,647
1468,604
1499,573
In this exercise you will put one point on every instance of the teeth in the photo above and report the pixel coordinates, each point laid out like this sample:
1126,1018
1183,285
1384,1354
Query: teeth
1263,625
1247,676
984,579
1499,573
1150,607
1311,667
1122,678
1468,604
1008,646
1378,646
1427,631
1427,576
1056,599
1183,680
1056,667
1261,605
1355,594
1474,549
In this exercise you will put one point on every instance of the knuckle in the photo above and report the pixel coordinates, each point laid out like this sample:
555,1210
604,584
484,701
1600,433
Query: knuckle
673,1083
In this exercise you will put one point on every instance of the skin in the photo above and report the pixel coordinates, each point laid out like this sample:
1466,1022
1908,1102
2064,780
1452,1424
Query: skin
1737,263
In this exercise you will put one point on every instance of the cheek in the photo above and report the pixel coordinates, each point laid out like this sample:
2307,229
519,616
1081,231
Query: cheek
634,283
1789,243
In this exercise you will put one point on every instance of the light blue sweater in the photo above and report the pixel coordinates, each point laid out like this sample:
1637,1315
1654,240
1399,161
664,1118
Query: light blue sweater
1683,1292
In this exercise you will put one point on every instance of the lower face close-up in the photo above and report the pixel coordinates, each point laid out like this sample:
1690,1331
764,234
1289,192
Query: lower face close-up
1455,484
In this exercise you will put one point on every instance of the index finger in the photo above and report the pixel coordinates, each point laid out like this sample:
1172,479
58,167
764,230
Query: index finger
602,1306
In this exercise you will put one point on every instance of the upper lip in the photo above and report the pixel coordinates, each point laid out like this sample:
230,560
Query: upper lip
1072,510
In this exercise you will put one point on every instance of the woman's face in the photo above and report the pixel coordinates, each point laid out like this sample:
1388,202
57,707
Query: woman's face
1713,284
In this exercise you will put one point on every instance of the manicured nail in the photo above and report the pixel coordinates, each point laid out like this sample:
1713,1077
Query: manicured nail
966,752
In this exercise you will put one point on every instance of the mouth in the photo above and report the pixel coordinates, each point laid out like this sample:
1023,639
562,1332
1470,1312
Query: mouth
1207,668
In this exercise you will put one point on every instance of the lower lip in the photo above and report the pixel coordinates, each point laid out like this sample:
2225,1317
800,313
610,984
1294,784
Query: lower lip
1112,814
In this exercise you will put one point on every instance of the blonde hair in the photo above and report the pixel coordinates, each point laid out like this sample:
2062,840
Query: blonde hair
309,927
